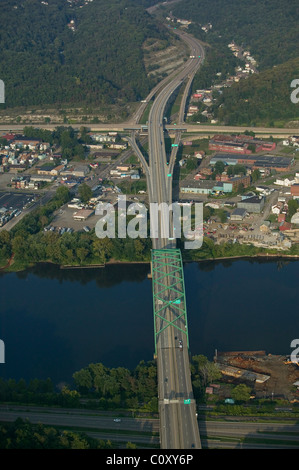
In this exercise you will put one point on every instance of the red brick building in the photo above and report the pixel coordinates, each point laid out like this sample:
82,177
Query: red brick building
230,147
295,190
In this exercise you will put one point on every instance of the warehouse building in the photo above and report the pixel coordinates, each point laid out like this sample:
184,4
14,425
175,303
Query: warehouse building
252,204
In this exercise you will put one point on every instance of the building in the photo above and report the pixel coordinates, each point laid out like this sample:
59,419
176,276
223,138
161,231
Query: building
119,145
16,168
42,178
199,187
223,186
277,208
79,172
285,226
232,147
284,182
255,162
105,155
83,214
264,228
295,191
253,204
281,218
123,168
238,214
272,162
222,142
235,181
103,138
227,159
21,142
263,189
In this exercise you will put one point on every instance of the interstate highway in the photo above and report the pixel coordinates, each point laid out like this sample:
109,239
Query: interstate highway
178,420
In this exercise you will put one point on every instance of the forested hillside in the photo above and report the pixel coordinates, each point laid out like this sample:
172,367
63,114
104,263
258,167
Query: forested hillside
269,30
56,52
268,27
262,99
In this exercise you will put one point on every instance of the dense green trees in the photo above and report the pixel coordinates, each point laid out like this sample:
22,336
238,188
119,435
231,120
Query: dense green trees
25,435
202,373
71,143
31,244
84,192
262,99
219,60
293,206
241,393
111,387
268,29
119,387
107,388
44,62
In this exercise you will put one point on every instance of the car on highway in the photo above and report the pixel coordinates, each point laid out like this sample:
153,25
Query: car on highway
117,420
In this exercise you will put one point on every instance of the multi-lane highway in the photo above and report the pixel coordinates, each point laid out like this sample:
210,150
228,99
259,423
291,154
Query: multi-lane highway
178,420
226,433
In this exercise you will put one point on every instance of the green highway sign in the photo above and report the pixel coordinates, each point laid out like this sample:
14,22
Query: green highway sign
187,402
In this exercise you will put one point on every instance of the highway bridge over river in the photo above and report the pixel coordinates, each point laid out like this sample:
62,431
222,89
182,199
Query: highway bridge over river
177,409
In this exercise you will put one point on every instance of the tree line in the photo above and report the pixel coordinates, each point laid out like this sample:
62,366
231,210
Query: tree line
101,387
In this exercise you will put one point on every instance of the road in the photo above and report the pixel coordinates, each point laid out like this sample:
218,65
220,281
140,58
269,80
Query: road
143,430
206,130
178,422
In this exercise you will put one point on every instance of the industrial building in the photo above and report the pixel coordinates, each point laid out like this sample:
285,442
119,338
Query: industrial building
238,214
253,161
252,204
199,187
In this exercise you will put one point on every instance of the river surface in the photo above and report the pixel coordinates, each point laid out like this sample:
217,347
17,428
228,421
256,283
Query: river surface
54,322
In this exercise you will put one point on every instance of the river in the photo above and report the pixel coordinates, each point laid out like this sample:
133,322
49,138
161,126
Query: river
54,322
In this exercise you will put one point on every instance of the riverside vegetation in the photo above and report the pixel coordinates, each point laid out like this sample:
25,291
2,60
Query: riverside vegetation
29,244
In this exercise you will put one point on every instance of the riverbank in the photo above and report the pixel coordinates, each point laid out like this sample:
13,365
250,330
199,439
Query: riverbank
273,256
12,266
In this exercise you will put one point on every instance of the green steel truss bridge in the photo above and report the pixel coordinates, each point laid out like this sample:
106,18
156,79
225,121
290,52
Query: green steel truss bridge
169,300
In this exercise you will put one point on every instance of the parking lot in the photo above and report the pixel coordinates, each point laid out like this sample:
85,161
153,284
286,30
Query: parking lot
13,201
64,219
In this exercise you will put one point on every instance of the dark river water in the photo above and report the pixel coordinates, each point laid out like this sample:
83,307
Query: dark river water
54,322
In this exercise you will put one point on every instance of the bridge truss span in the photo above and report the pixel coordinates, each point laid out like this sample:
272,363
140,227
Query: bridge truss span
169,299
